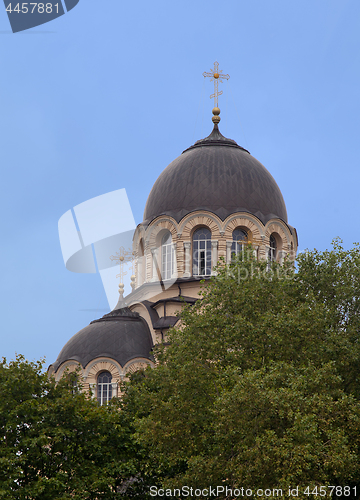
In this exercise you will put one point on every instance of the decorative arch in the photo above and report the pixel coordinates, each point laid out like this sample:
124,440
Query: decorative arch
283,234
138,234
247,223
157,227
251,224
102,364
71,366
97,366
191,221
188,225
152,247
283,238
137,364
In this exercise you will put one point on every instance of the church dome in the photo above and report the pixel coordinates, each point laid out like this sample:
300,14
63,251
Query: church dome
217,175
121,335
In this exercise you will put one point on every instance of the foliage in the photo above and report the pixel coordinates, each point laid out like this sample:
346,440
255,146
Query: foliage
259,387
57,443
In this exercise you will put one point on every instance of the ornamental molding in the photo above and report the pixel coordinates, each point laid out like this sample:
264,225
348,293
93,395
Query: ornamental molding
70,365
246,220
137,364
279,227
207,219
94,367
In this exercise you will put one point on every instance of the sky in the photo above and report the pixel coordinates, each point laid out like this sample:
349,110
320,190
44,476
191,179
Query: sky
106,96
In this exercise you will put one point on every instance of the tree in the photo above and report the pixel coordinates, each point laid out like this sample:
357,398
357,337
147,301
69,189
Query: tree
58,443
259,387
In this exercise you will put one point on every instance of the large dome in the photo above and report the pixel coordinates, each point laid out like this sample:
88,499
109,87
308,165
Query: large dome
121,335
217,175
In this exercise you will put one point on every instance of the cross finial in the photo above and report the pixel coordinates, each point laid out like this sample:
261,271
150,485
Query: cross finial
123,257
216,76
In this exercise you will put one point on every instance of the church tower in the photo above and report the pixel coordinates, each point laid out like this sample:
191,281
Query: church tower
208,203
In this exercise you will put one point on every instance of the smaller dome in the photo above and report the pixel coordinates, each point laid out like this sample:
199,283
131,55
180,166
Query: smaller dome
121,335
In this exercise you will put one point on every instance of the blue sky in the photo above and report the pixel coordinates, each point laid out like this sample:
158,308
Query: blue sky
106,96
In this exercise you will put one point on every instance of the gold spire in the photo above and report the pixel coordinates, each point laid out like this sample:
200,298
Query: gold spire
216,76
123,257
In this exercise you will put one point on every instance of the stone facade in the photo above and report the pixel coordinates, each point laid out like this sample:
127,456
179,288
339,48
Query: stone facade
148,254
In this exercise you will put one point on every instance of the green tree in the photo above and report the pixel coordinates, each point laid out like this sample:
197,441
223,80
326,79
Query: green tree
58,443
259,387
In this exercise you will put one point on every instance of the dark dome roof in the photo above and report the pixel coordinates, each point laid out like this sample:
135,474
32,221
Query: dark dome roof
217,175
121,335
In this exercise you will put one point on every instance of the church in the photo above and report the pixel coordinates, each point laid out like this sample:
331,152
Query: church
208,203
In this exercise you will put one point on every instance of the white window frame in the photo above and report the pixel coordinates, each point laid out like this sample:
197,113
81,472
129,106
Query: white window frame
104,389
202,254
167,257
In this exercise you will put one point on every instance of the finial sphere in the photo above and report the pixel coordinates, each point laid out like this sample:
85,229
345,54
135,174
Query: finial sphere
216,111
216,75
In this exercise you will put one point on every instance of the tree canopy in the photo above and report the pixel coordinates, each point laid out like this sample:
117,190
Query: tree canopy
57,443
259,386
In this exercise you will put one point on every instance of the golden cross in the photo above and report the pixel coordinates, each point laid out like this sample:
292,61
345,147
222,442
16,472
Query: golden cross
123,257
216,76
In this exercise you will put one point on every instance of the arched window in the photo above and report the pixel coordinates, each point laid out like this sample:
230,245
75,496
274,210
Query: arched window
272,249
202,252
239,239
167,257
104,388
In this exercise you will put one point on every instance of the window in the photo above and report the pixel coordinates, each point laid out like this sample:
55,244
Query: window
202,252
104,388
272,249
239,239
167,257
